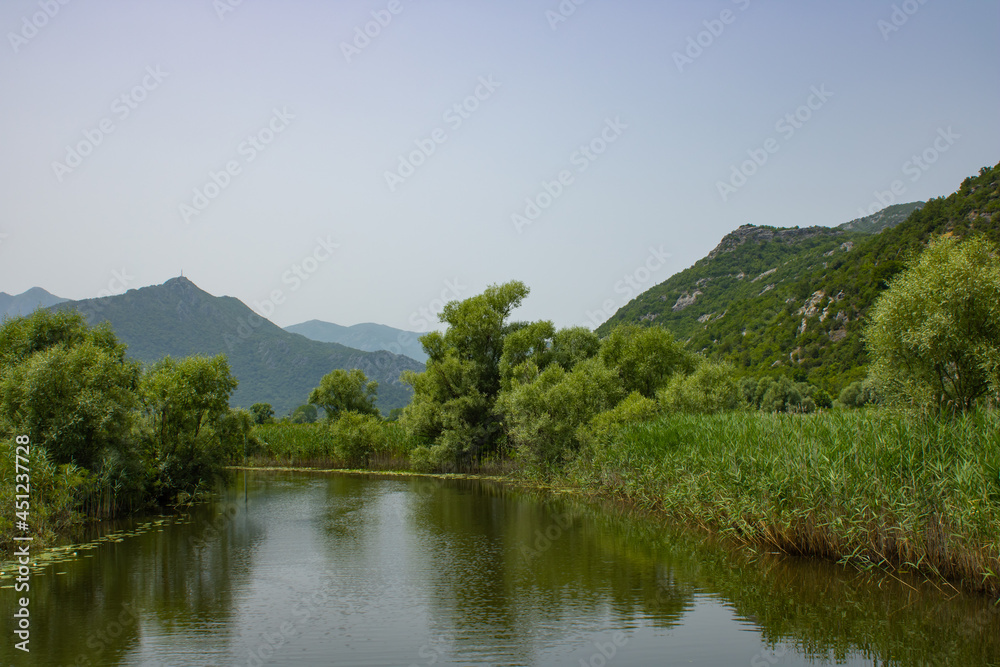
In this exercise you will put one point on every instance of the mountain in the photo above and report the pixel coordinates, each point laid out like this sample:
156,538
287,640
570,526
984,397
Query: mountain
26,302
794,300
884,219
369,337
272,365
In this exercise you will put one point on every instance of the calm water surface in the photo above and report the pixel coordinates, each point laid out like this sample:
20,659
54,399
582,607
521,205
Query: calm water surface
332,569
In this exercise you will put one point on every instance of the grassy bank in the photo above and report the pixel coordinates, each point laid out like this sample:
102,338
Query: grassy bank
873,487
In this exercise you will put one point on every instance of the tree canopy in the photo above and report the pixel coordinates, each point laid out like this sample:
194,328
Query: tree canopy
934,335
342,391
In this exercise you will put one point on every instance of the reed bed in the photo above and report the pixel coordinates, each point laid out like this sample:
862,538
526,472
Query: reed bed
314,446
874,487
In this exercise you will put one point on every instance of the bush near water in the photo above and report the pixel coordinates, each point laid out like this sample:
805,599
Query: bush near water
902,470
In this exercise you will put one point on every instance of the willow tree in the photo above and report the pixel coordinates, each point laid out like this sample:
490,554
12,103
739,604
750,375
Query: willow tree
934,335
453,399
341,391
70,386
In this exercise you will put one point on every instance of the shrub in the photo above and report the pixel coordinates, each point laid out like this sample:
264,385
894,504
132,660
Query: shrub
857,394
778,394
543,416
644,358
356,437
634,409
712,387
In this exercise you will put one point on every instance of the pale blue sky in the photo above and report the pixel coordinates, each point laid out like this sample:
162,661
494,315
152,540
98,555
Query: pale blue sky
197,86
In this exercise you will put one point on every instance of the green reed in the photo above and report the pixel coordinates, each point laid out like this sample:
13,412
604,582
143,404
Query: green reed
875,487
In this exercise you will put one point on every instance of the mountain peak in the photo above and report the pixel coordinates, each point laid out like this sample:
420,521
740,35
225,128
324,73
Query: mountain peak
179,319
763,234
180,281
23,304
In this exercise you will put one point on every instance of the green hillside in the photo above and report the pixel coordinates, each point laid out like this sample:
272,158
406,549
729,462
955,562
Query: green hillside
272,365
368,337
794,300
887,217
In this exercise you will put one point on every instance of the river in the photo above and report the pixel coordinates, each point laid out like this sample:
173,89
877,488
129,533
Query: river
302,568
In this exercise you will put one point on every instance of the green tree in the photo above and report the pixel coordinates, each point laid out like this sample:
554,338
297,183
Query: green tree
305,414
644,358
71,387
711,388
779,394
342,391
356,437
857,394
262,413
454,397
531,344
534,346
934,335
185,408
543,416
573,345
21,337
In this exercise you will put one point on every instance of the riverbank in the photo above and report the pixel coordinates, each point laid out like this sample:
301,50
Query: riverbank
873,488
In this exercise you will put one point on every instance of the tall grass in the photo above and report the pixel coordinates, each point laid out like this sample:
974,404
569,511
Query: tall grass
314,445
874,486
290,444
55,496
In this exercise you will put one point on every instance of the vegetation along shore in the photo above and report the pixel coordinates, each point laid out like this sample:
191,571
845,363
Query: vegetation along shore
851,414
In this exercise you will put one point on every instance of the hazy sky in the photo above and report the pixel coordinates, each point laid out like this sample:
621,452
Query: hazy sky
277,153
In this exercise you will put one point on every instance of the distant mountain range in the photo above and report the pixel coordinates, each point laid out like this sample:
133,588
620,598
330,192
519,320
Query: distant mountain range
793,301
369,337
26,302
769,300
272,365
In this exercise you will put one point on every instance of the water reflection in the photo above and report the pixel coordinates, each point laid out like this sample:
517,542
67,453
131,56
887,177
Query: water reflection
321,569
